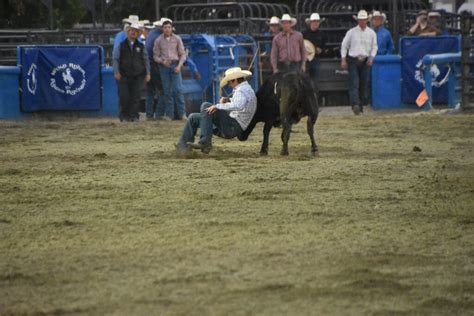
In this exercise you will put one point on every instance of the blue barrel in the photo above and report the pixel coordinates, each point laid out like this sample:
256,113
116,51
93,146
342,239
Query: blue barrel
110,101
386,82
9,92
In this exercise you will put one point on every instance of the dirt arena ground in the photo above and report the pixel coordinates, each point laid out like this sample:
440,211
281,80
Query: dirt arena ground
99,217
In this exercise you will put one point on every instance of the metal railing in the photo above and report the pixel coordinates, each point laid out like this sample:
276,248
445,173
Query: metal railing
224,17
452,77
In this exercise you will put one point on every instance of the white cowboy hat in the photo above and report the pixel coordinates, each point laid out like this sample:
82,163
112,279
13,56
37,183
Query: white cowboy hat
274,21
362,15
163,20
160,22
310,49
434,14
136,26
314,17
233,73
376,14
131,19
287,18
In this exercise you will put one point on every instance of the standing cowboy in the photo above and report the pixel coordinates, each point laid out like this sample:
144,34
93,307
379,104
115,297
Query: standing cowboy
288,51
318,39
169,53
358,50
384,38
273,30
131,69
154,88
228,119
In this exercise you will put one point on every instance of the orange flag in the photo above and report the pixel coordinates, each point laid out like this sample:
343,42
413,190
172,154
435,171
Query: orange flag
422,98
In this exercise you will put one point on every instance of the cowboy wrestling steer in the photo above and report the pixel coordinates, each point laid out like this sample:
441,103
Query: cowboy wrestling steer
284,99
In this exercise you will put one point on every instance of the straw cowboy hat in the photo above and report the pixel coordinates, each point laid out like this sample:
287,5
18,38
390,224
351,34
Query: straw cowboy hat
131,19
234,73
314,17
362,15
376,14
310,49
287,18
274,21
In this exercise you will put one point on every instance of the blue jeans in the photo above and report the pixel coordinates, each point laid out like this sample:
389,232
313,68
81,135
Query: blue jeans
153,89
312,68
172,86
358,82
220,124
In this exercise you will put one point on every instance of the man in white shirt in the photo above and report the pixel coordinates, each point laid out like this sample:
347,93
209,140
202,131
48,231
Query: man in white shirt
358,50
228,119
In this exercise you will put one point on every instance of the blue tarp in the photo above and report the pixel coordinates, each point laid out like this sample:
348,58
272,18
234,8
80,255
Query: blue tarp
413,49
60,77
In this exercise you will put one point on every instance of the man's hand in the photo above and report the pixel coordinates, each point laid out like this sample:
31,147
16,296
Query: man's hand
212,109
418,20
197,76
147,78
166,62
177,70
318,50
118,76
303,68
344,65
370,61
275,71
223,100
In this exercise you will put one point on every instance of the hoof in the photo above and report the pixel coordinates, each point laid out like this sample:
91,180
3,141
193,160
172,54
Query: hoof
263,153
284,153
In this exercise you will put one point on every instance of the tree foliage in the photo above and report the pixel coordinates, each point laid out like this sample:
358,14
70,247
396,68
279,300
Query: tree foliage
34,14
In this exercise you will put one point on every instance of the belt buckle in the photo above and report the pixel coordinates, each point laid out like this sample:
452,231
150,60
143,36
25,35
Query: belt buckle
361,58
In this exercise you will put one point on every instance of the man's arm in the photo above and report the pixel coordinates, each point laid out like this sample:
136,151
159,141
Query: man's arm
157,51
146,60
181,52
345,49
389,43
237,102
116,62
304,53
373,48
274,54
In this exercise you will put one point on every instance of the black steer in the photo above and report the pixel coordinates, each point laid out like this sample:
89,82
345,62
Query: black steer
284,99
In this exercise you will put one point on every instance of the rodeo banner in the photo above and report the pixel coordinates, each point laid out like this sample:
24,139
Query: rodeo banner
413,49
60,77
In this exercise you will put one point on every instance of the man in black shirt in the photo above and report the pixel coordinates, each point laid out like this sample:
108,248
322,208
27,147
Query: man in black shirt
318,39
131,69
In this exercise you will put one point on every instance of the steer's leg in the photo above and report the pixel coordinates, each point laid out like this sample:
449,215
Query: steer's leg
285,137
266,134
310,128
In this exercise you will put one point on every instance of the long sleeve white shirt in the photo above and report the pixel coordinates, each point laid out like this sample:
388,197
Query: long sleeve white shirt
358,42
242,105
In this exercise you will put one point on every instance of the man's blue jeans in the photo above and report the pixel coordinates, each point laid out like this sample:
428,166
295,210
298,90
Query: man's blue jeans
172,86
358,82
220,124
313,68
153,89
